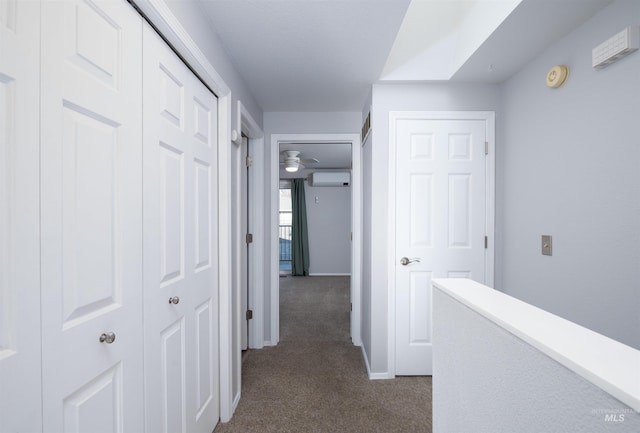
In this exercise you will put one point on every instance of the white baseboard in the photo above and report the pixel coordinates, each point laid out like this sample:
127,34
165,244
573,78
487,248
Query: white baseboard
236,401
372,376
268,343
329,275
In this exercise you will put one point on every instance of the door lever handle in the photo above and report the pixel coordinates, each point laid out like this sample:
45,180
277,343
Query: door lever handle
405,261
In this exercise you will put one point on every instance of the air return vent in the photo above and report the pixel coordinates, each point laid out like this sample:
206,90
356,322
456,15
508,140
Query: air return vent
366,127
615,48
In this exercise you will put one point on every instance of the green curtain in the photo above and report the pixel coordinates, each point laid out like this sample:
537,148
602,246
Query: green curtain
299,237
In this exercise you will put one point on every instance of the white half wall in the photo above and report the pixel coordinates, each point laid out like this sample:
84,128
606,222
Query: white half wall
329,229
503,366
569,166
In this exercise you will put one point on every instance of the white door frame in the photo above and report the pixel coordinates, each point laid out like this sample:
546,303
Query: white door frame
489,118
170,27
356,226
248,126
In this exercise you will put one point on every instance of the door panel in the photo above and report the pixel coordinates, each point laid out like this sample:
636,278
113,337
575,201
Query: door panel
440,219
91,195
91,408
171,181
204,355
172,375
181,335
89,198
419,302
20,367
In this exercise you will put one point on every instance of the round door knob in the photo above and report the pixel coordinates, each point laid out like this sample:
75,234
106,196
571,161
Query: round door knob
174,300
108,337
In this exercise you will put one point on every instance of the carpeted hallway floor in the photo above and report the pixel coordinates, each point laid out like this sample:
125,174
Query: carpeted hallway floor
315,380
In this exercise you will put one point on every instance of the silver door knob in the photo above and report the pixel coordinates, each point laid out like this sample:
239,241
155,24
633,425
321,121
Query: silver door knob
108,337
405,261
174,300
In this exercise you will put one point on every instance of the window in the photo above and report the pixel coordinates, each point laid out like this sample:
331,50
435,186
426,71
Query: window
284,227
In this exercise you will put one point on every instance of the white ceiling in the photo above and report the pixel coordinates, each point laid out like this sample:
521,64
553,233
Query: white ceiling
308,55
324,55
331,157
527,31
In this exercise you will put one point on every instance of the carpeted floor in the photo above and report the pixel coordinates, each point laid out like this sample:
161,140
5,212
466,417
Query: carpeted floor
315,380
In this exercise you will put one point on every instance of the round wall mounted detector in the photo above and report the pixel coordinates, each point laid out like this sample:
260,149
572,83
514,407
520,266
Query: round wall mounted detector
557,76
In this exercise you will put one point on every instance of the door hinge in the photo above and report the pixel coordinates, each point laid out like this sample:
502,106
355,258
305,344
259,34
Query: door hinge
486,241
486,147
351,306
249,314
248,161
249,238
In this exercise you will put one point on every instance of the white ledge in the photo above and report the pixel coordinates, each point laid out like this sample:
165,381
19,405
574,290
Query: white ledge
608,364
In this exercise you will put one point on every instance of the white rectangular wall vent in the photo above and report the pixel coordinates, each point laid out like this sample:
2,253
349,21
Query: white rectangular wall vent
616,47
323,178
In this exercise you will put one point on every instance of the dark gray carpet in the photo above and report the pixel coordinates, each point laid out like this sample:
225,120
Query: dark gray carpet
315,380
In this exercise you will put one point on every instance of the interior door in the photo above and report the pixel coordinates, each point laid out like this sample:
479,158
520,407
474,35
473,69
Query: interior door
440,223
180,245
20,386
91,218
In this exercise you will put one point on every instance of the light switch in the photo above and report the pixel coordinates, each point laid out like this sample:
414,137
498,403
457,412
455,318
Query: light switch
546,245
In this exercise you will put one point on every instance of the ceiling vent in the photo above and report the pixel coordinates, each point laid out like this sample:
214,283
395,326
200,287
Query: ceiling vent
323,178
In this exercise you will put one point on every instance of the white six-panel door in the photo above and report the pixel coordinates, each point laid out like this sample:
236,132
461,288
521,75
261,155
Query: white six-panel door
91,195
19,217
180,258
441,222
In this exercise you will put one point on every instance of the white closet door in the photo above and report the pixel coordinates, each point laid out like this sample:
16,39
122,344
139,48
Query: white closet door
91,187
20,403
180,259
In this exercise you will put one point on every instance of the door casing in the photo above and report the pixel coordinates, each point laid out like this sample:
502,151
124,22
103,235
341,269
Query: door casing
255,253
356,226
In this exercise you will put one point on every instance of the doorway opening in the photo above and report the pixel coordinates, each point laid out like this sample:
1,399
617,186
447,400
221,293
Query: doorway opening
333,213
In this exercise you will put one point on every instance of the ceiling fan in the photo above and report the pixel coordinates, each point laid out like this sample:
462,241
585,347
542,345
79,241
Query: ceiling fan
292,162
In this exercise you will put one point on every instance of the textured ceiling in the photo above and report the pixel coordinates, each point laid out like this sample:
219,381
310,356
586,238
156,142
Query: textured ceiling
330,156
308,55
324,55
519,38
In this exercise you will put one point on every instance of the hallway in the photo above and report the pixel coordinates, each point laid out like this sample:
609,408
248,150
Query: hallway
315,380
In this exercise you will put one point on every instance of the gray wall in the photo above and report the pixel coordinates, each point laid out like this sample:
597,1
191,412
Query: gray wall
569,166
329,227
487,380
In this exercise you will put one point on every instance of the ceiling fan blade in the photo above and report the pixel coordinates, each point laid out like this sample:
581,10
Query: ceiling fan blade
310,160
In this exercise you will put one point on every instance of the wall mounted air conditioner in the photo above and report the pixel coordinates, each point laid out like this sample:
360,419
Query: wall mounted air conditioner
323,178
